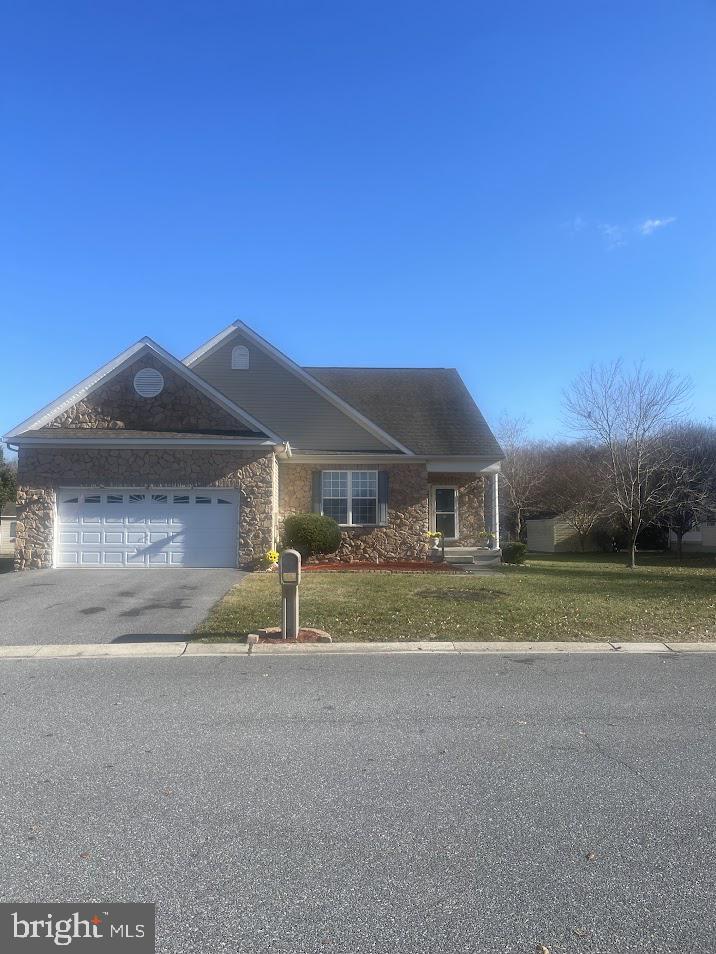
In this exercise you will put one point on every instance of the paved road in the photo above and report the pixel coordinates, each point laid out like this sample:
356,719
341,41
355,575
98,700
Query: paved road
397,805
98,606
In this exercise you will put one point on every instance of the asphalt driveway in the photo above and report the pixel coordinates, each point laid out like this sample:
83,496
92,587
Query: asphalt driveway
100,606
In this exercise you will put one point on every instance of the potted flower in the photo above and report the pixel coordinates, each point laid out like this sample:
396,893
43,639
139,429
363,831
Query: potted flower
488,537
435,538
270,559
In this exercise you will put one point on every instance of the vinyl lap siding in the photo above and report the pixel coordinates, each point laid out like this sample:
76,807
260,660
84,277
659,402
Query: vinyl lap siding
703,538
555,535
566,538
540,536
283,402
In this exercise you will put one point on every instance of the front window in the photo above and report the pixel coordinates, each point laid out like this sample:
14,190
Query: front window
350,496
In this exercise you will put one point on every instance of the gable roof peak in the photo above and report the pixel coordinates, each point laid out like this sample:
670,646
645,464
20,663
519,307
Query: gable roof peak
313,382
113,367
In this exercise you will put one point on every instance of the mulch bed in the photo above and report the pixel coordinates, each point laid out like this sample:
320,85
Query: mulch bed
405,566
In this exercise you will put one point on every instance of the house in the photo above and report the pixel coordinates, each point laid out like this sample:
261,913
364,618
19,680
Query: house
702,539
156,462
8,522
555,535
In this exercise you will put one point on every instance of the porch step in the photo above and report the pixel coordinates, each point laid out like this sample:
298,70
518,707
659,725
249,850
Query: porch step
472,556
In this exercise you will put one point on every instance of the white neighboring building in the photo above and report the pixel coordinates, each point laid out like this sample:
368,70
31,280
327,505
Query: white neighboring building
8,522
700,540
555,535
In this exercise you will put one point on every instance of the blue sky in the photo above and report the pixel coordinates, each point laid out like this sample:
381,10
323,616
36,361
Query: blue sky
513,189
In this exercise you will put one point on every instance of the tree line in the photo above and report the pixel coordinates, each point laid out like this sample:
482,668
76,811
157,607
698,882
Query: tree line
8,480
635,461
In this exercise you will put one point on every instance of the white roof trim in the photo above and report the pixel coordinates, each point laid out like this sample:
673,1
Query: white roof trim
456,464
464,465
238,326
143,442
113,367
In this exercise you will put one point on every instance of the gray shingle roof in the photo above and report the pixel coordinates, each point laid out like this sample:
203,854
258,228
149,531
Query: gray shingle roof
428,409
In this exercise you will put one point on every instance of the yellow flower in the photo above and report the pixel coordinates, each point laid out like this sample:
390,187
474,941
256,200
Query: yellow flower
272,556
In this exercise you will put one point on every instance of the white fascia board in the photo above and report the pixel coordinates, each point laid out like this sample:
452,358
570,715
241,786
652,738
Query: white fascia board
142,442
463,465
113,367
238,326
211,345
346,457
436,465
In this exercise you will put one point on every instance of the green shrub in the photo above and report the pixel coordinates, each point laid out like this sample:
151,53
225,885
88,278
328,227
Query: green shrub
311,534
514,552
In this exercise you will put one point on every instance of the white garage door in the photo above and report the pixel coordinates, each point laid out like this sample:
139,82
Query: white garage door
150,527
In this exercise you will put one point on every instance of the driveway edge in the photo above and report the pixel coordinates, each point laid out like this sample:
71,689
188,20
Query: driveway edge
182,649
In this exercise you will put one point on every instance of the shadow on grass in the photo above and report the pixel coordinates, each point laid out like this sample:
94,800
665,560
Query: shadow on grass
645,558
585,578
456,595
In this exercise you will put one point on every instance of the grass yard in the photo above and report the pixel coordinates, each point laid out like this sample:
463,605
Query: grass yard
556,596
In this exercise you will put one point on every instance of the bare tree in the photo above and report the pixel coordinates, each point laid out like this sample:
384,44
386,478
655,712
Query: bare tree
576,488
523,471
627,413
691,469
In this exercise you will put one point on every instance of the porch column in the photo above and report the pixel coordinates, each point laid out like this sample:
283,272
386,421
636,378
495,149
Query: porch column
495,516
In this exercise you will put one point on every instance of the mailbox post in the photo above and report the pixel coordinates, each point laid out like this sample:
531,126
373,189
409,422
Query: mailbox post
289,574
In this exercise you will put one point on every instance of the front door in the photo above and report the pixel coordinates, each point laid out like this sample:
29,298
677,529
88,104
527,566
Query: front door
445,512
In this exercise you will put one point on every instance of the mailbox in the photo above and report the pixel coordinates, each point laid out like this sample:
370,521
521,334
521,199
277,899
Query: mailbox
289,575
289,568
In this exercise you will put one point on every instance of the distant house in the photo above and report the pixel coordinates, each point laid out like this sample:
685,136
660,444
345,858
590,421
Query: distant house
8,523
554,535
700,540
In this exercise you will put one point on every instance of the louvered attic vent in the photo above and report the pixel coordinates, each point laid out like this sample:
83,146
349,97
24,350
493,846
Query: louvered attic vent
148,382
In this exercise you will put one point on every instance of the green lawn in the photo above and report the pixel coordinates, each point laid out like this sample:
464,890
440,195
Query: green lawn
582,597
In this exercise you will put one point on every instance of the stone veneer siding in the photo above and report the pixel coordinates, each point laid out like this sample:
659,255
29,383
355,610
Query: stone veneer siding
41,471
179,407
404,536
470,505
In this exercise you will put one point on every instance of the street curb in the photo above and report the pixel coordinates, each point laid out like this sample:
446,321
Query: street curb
182,649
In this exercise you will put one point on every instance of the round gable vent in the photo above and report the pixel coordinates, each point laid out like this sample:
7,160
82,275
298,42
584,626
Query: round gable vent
148,382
